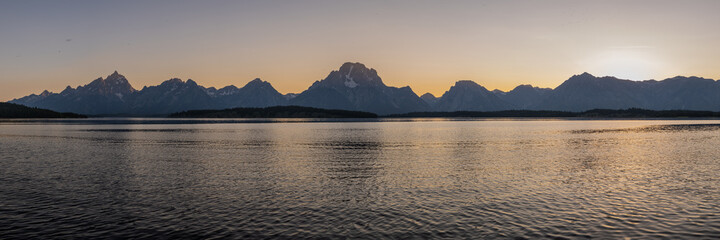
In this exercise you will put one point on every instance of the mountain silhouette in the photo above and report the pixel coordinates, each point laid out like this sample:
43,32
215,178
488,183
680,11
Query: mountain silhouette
354,87
256,93
101,96
467,95
585,91
523,96
173,95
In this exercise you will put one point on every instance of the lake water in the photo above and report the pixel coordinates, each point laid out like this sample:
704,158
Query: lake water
438,178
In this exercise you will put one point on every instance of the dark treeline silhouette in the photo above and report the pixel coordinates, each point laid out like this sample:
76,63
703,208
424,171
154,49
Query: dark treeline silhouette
10,110
595,113
273,112
644,113
478,114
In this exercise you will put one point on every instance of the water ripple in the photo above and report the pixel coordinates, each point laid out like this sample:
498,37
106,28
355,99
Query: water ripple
457,179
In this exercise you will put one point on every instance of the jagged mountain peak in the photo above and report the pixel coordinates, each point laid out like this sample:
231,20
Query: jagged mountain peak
351,75
585,76
356,87
173,81
176,83
115,74
257,82
114,85
116,78
349,66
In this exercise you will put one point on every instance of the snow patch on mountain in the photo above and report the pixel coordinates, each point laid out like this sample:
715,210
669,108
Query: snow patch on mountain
349,82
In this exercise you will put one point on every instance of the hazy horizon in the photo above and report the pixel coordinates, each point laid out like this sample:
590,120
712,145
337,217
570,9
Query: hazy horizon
425,45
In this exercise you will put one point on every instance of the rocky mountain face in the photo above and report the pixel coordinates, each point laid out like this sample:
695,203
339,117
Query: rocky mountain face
358,88
355,87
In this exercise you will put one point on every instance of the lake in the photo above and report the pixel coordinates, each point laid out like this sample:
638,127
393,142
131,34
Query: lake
417,178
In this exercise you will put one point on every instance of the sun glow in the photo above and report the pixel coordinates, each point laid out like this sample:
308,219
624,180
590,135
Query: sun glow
634,63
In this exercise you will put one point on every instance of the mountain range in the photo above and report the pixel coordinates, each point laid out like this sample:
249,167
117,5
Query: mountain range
358,88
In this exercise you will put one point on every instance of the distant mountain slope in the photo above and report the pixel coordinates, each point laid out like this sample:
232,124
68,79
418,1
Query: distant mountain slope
430,99
469,96
171,96
11,110
523,96
585,91
256,93
691,93
274,112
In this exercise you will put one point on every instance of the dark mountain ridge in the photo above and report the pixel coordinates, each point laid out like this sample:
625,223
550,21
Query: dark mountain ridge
354,87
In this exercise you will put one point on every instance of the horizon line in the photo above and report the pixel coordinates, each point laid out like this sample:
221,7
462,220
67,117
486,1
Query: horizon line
274,87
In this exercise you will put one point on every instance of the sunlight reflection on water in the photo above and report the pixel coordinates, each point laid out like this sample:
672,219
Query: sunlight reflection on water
464,179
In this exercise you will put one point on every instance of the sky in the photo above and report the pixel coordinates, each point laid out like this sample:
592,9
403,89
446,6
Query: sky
428,45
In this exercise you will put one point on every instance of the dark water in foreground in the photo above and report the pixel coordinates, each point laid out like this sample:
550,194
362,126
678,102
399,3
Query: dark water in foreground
429,179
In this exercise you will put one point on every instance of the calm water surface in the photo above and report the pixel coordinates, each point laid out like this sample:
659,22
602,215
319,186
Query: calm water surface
416,179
